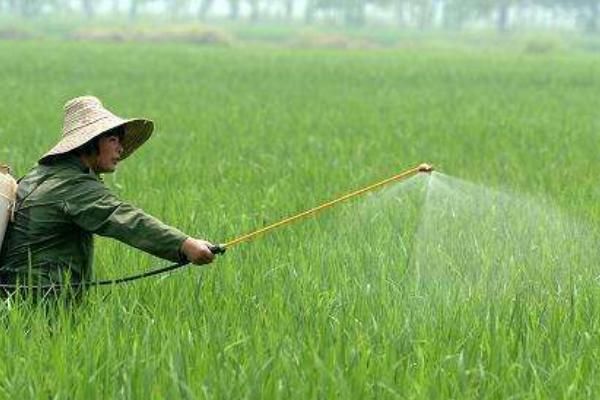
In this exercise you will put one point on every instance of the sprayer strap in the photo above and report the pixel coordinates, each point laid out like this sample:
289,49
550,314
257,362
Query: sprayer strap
7,198
18,203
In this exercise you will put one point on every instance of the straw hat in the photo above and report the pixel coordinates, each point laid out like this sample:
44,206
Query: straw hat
86,118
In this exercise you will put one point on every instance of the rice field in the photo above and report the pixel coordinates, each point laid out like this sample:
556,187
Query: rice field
479,281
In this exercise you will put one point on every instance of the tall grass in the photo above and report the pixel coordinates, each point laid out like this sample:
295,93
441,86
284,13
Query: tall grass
329,307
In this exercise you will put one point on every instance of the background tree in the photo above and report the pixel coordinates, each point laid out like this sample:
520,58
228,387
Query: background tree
135,5
398,7
13,6
204,8
30,8
587,13
176,7
502,17
289,9
457,12
88,8
354,11
133,8
234,9
501,10
254,10
310,11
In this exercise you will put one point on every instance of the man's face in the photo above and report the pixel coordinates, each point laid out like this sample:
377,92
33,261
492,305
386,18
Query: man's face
110,153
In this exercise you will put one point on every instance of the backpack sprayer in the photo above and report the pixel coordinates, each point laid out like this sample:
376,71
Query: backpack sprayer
8,194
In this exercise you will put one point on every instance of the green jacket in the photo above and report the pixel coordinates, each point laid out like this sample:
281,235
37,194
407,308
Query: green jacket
59,209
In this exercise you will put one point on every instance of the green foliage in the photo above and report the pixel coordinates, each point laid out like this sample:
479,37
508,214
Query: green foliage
332,307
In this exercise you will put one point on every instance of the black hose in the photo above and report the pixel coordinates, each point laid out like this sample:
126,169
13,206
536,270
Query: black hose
217,249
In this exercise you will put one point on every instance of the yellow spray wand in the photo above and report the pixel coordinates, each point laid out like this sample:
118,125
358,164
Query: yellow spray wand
220,249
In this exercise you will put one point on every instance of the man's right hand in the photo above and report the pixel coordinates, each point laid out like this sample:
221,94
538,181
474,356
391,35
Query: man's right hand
197,251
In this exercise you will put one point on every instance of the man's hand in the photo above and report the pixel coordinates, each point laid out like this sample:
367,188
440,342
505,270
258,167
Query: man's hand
197,251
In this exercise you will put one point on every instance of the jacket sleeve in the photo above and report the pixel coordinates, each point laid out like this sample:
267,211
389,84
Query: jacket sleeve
94,208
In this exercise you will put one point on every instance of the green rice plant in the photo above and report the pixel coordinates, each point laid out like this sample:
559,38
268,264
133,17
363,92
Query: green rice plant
478,282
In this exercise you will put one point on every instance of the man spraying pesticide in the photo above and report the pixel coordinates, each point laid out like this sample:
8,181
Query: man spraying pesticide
61,203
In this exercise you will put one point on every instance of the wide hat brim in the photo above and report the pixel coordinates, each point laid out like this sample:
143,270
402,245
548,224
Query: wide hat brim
137,131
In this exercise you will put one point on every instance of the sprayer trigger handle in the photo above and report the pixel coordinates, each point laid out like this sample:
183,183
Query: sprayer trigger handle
217,249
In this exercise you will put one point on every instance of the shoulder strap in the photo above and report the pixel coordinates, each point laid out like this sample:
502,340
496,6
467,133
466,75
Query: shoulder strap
18,203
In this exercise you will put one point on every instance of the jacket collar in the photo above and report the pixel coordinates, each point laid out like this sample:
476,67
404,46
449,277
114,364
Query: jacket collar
73,161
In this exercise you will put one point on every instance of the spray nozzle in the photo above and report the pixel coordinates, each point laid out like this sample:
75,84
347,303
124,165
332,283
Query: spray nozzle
218,249
425,168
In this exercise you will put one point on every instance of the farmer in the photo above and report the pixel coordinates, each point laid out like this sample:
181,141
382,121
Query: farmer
62,203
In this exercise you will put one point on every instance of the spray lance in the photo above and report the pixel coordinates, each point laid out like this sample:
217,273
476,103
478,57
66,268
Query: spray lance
221,248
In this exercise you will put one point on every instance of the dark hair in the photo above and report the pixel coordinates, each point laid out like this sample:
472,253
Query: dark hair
92,147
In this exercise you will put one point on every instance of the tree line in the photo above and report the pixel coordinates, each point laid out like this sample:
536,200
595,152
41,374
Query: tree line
421,14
